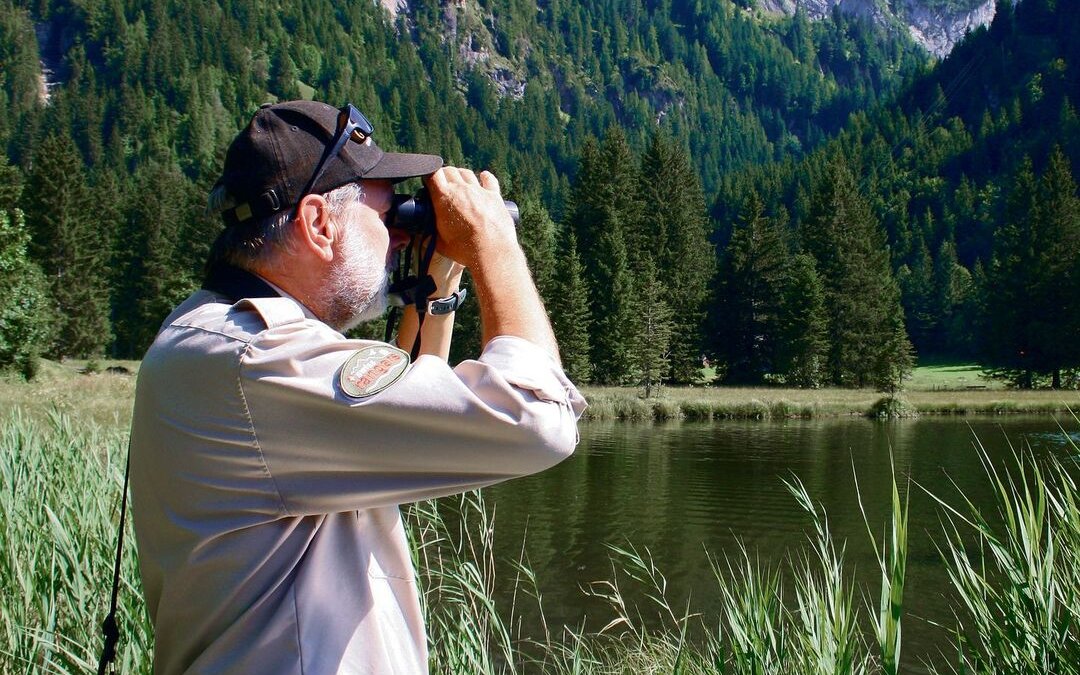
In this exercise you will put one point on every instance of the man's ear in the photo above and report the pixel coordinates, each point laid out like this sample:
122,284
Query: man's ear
315,230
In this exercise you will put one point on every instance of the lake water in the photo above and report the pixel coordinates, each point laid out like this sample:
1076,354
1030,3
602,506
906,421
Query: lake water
687,491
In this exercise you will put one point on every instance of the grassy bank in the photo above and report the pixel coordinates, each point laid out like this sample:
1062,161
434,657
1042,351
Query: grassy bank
1016,577
939,389
716,403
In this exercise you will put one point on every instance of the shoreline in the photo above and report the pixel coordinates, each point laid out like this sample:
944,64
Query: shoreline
738,403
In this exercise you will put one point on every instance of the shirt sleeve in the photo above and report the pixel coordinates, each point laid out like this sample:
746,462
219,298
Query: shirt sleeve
436,431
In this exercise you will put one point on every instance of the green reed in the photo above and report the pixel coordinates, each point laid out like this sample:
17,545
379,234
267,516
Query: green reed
59,505
1016,569
1015,566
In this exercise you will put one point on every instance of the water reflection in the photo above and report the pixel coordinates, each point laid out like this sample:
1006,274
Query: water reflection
689,491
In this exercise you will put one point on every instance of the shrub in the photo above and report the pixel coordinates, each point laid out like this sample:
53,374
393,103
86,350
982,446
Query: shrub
892,407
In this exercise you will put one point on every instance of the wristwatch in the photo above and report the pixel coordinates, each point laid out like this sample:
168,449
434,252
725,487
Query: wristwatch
450,303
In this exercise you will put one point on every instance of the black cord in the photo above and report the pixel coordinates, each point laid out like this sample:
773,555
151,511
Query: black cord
109,627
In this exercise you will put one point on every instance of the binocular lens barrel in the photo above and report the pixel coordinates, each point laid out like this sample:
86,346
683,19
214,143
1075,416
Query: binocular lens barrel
415,214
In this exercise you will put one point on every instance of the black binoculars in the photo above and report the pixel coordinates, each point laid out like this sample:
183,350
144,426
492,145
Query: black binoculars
415,214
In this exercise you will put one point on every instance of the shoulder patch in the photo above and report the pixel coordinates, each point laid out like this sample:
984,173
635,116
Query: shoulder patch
371,369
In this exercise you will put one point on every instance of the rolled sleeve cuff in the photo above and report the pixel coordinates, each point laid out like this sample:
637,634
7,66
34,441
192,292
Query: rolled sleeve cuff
528,367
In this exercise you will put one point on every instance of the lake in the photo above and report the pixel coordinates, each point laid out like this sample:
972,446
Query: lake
688,491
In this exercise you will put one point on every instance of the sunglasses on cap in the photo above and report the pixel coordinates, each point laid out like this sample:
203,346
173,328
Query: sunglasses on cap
351,124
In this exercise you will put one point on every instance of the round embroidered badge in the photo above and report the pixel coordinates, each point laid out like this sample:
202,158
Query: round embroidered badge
372,369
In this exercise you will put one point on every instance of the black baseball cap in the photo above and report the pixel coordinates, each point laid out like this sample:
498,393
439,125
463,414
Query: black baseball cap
271,161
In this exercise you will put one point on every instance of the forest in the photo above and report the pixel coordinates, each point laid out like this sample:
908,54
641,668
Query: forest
798,202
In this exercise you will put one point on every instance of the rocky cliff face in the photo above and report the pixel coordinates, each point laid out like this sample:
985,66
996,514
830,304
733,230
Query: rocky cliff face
929,24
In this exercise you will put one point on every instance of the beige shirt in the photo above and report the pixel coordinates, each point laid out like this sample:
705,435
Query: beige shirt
265,498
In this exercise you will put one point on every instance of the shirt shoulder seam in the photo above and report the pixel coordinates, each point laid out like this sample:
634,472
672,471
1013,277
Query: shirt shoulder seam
204,329
254,434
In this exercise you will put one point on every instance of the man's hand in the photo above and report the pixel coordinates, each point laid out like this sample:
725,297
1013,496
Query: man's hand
475,229
473,223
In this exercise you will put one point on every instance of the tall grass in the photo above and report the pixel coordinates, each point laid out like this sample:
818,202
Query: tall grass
59,489
1014,565
1016,570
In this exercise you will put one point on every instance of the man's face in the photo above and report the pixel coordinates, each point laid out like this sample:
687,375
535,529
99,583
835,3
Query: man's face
359,276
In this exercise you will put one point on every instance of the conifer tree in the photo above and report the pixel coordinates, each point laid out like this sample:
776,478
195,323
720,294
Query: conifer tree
918,294
751,281
149,248
536,232
604,213
1057,295
1007,346
675,229
802,337
70,248
570,315
867,342
651,330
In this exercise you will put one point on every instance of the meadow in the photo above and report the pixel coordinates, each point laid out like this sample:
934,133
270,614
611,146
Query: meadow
1014,566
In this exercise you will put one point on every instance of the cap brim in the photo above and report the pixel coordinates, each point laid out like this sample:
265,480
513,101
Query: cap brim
402,165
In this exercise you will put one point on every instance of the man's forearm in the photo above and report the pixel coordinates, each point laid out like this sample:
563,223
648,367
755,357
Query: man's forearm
438,329
509,301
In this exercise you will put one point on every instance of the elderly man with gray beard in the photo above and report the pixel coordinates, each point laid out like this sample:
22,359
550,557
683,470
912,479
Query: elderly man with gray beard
270,452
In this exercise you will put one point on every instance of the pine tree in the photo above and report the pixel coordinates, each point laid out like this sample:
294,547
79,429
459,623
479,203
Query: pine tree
1007,346
651,330
802,337
675,231
536,232
149,248
918,294
868,344
70,248
604,216
570,316
1056,295
751,281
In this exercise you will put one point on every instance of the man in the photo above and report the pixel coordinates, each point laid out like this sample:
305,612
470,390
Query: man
269,452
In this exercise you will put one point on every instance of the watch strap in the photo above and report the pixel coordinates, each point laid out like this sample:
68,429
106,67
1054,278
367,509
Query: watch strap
447,305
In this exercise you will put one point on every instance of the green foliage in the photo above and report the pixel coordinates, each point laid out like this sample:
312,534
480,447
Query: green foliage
147,96
604,217
1033,283
70,248
803,329
1018,583
867,341
24,305
537,235
937,167
651,328
571,320
753,274
675,229
60,488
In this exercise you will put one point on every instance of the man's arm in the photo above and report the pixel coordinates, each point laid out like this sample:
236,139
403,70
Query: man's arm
476,229
438,329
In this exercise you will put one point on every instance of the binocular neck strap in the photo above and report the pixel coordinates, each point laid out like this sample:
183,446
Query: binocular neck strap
413,289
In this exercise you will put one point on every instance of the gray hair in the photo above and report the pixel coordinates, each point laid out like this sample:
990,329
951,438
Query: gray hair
250,245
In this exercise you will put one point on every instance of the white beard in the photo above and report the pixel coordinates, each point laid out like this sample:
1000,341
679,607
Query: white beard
359,283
